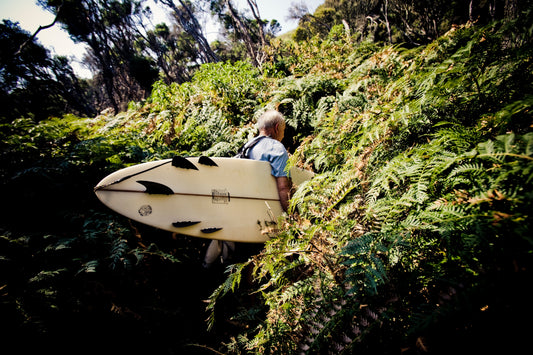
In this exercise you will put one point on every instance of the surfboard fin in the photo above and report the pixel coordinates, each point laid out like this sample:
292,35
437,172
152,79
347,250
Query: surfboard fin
206,161
155,188
210,230
181,162
182,224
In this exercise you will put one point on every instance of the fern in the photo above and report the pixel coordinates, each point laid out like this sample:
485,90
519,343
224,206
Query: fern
46,275
421,205
231,284
347,183
366,271
296,290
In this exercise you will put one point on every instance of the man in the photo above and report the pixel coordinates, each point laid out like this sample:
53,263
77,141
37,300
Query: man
268,147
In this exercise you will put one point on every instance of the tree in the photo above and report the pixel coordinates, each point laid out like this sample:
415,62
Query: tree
109,28
186,17
244,32
309,24
34,84
254,33
174,51
412,21
259,21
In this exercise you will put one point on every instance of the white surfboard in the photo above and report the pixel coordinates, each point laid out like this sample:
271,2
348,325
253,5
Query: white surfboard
216,198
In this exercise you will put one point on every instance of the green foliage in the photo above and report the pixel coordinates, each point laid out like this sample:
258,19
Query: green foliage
398,21
415,230
421,208
233,88
34,83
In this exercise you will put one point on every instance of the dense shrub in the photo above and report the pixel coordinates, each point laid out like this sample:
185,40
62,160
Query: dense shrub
414,231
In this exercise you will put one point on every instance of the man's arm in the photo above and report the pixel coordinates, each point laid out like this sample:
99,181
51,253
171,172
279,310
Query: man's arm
284,188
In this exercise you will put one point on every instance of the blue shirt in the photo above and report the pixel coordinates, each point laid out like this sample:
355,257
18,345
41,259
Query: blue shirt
273,151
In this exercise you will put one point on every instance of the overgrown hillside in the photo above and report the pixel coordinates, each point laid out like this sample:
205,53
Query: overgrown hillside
414,236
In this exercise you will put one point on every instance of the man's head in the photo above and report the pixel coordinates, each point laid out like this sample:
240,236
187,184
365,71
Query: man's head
271,123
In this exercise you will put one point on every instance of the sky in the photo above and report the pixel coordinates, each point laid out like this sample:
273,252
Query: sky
30,16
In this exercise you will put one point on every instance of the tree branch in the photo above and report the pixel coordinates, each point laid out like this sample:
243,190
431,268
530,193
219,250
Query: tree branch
32,37
190,24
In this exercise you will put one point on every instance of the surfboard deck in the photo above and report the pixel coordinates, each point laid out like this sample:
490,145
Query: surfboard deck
215,198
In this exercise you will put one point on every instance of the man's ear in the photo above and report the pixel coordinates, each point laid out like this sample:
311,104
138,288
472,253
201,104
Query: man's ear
276,128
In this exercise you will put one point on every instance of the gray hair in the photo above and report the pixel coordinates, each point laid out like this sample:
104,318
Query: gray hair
269,119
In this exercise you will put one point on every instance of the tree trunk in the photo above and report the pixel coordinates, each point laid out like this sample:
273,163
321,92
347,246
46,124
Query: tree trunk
244,32
107,71
386,13
255,13
510,10
190,24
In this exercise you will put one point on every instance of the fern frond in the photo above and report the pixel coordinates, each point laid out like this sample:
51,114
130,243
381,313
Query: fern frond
472,169
89,267
232,282
119,249
47,275
366,271
279,274
346,184
299,289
